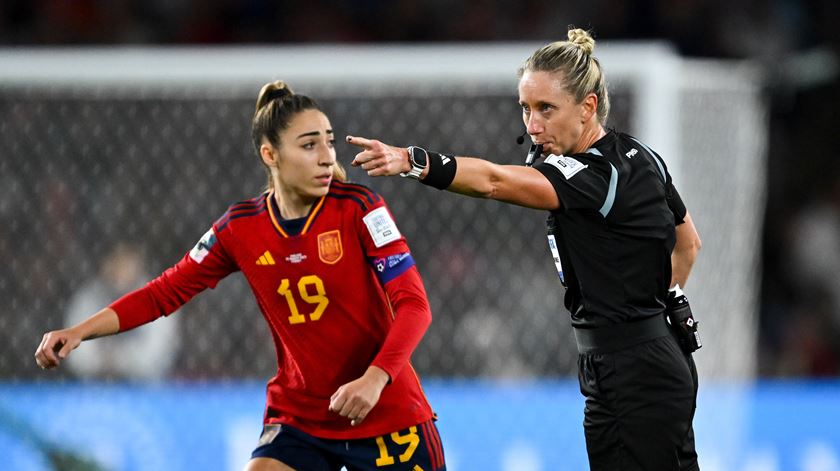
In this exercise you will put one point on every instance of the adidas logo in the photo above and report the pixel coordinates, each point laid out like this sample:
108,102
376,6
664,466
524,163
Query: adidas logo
444,159
266,259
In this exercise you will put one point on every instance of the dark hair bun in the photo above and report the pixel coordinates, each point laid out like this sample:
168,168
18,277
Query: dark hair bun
276,90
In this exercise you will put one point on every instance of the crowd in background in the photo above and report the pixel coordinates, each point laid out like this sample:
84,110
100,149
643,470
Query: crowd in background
796,41
715,28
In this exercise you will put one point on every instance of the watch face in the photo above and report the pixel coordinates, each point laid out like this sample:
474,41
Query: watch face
419,158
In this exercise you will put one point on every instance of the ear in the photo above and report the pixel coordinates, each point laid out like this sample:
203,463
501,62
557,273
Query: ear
268,155
589,107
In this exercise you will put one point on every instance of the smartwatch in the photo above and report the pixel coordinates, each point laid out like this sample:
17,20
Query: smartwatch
419,160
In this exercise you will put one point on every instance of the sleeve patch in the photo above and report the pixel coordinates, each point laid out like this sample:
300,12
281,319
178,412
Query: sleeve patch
568,166
392,266
381,226
202,248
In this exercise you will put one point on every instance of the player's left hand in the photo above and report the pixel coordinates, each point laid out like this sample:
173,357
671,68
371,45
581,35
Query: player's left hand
356,399
379,159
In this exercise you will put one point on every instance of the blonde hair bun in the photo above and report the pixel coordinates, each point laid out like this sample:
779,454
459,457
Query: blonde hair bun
582,39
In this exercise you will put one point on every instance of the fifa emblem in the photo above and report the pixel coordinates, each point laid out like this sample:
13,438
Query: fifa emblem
329,247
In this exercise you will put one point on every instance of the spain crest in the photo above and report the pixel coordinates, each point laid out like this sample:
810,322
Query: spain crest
329,247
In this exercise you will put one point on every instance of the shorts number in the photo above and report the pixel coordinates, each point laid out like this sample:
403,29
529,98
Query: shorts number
303,284
411,439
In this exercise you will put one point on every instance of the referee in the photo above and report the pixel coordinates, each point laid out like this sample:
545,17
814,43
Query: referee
623,243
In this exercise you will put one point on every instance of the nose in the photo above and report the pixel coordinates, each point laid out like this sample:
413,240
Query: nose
534,124
327,156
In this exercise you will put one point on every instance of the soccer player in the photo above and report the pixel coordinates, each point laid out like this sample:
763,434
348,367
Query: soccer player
338,287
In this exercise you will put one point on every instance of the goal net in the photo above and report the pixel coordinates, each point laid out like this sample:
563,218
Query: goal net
149,146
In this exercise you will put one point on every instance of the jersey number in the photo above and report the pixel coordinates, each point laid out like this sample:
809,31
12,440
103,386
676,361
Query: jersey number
411,439
319,298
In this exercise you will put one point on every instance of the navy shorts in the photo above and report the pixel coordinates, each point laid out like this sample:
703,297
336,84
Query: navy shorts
417,448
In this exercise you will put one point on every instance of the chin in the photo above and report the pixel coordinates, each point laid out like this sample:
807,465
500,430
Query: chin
557,151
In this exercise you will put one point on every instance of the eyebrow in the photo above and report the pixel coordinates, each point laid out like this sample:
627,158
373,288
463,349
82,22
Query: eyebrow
539,103
314,133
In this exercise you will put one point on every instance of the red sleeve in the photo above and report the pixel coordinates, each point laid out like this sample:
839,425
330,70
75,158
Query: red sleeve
203,267
412,317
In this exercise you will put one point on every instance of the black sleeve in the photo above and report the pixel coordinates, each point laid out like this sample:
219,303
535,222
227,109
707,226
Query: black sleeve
578,185
676,204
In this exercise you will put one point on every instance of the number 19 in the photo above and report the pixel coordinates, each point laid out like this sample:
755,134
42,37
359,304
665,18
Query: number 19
319,298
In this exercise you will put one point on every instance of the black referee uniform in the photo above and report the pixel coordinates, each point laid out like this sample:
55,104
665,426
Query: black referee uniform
611,240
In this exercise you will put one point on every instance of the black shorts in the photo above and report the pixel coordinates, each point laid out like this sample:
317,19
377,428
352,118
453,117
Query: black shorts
412,449
640,404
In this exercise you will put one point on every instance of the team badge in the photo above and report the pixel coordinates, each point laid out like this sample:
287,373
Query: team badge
329,247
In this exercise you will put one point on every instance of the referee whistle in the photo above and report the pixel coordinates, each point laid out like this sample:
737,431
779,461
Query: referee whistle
533,154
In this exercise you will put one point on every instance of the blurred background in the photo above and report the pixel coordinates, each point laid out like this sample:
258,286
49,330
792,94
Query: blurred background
124,133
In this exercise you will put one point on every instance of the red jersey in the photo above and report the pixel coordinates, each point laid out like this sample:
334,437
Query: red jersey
339,296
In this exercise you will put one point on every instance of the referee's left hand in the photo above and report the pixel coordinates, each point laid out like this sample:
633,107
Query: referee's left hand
356,399
379,159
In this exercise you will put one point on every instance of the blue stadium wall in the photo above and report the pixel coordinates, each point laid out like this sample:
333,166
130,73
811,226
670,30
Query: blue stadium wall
768,426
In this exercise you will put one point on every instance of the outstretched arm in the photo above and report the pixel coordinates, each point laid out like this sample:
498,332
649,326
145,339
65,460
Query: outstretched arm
523,186
56,345
159,297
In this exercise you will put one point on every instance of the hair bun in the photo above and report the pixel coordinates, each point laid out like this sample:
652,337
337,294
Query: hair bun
279,91
276,90
582,39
